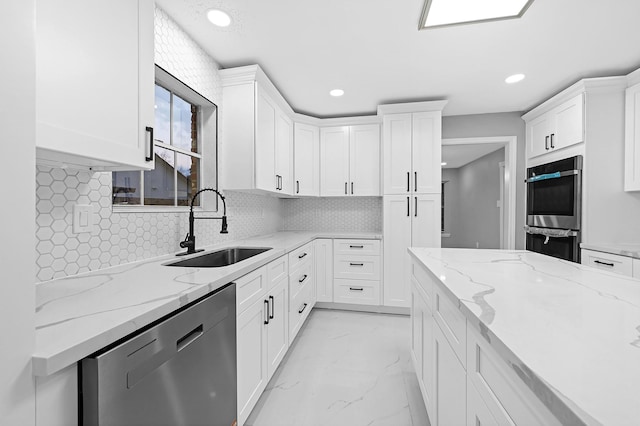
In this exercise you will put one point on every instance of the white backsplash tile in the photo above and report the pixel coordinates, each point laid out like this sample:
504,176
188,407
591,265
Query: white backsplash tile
357,214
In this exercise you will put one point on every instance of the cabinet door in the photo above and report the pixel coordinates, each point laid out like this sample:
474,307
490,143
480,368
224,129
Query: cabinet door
425,216
324,269
632,139
636,268
478,413
284,152
94,85
422,344
450,383
306,160
251,356
538,135
426,152
364,160
397,153
569,123
334,161
397,238
278,327
265,142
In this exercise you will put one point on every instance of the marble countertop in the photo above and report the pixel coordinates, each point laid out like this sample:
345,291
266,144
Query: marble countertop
622,249
577,329
78,315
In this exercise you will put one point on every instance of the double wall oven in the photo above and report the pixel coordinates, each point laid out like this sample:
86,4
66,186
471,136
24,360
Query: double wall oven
554,208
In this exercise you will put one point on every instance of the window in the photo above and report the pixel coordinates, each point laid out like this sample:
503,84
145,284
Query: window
184,134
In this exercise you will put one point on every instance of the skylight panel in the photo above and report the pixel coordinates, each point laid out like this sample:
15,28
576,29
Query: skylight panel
439,13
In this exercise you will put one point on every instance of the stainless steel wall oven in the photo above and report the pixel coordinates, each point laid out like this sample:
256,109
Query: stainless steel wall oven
554,208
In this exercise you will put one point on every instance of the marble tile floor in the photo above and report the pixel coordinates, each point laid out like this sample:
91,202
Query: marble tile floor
345,368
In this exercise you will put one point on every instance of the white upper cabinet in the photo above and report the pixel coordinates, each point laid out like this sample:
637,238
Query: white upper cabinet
558,128
95,84
256,145
632,139
350,160
412,152
306,160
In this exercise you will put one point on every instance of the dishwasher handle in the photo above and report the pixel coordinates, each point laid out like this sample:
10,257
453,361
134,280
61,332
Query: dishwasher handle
190,337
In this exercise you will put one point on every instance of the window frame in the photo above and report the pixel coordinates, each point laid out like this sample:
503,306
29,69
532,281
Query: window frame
207,122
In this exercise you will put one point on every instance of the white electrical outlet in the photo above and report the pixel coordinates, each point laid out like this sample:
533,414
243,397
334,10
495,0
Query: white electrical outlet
82,218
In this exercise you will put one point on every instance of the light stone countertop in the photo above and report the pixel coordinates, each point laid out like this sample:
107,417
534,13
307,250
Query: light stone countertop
576,329
622,249
78,315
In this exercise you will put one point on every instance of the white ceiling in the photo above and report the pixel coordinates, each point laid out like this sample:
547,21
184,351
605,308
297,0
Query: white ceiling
373,50
459,155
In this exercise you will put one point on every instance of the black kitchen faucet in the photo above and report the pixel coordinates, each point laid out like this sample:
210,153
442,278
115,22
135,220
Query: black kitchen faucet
190,240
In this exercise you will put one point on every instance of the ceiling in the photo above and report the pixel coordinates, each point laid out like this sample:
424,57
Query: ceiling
459,155
374,51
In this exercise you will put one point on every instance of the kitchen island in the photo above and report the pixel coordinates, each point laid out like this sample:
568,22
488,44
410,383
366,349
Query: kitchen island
563,337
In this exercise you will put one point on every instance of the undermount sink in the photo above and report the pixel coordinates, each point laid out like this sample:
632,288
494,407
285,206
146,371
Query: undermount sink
217,259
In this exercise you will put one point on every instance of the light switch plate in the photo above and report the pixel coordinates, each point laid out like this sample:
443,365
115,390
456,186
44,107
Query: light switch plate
82,218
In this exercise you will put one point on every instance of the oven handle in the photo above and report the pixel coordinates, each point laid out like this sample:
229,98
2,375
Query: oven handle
555,175
553,233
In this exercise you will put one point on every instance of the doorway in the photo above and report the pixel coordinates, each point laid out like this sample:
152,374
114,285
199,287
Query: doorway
487,150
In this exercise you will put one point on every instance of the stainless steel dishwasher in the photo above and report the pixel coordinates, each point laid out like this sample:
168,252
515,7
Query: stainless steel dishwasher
179,371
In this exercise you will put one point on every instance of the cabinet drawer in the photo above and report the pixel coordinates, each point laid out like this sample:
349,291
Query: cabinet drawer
301,277
357,267
360,292
250,288
608,262
299,256
299,307
505,395
357,247
277,270
452,323
420,274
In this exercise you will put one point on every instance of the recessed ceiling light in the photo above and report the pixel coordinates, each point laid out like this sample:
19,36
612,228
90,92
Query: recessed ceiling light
444,163
514,78
336,92
438,13
218,18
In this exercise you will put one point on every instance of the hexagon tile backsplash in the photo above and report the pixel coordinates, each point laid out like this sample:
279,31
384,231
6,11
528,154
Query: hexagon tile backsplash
122,237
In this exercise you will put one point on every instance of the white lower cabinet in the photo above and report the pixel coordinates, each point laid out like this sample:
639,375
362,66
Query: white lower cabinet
356,272
608,262
323,254
277,325
450,383
478,413
57,398
422,352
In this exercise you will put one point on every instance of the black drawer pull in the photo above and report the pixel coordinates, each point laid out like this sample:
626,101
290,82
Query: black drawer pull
356,246
151,143
356,264
302,255
599,262
303,278
271,304
303,308
266,311
356,288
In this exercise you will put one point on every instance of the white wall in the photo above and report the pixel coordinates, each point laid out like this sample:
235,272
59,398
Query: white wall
17,132
474,190
501,124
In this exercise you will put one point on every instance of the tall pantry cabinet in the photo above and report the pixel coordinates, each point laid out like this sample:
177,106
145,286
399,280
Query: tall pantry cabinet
412,139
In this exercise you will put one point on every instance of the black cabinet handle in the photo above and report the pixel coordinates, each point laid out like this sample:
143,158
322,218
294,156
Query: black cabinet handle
303,278
408,180
552,135
277,182
546,143
303,308
408,206
356,264
351,188
297,187
415,209
266,321
599,262
302,255
280,183
345,188
272,303
415,181
151,144
356,288
356,246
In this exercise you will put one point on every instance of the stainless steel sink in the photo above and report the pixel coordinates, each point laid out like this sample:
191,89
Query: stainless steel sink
220,258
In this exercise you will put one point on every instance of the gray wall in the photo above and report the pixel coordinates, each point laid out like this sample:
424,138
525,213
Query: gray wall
501,124
473,191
